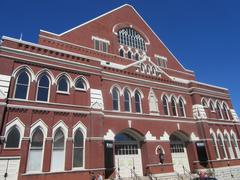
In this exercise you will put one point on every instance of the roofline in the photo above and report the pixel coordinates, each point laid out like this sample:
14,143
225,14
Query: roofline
205,84
116,10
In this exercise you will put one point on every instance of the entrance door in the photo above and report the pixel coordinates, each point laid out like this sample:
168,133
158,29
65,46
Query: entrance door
179,157
9,169
128,160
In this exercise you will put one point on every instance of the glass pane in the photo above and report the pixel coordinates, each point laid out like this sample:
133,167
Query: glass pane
13,138
21,91
59,139
78,157
42,94
78,139
115,105
63,85
37,139
58,160
80,84
44,81
23,78
34,160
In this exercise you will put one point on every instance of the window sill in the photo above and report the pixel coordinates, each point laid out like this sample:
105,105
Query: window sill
63,92
18,148
78,89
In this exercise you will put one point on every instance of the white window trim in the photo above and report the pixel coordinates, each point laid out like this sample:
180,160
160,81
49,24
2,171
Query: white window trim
20,126
183,103
64,129
130,99
68,86
176,107
85,82
83,129
233,134
219,133
230,149
49,88
216,144
16,80
101,39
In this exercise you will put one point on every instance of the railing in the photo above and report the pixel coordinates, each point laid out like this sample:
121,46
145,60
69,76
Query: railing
188,173
134,175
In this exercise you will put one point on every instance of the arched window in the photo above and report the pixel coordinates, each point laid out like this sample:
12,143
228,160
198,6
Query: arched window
127,101
80,84
219,112
22,85
225,112
78,148
181,107
229,145
130,37
235,143
63,84
136,56
36,151
43,88
204,103
148,69
13,138
115,99
174,107
129,55
121,52
222,146
165,105
215,146
142,68
58,154
211,106
138,103
153,70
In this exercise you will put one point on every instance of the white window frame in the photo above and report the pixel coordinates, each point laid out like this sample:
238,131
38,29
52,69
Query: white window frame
49,87
140,99
216,144
230,148
101,41
219,134
234,138
161,61
130,100
68,85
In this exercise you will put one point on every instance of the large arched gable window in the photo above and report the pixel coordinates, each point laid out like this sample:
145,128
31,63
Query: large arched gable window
181,108
58,153
222,145
115,99
138,102
218,110
63,84
165,105
78,149
22,85
173,106
43,89
36,151
130,37
214,144
127,100
229,145
13,138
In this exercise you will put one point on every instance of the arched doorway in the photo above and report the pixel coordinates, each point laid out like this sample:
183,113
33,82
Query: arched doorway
178,143
128,159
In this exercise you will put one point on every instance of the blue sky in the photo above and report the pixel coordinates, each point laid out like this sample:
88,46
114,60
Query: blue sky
204,35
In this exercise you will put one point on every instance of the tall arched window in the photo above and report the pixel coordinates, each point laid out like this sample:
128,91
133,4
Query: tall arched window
43,88
225,112
215,146
115,99
136,56
219,112
181,107
211,106
204,103
78,148
63,84
148,69
130,37
121,52
58,154
229,145
22,85
129,55
235,143
174,107
153,70
138,102
36,151
13,138
222,146
142,67
127,100
165,105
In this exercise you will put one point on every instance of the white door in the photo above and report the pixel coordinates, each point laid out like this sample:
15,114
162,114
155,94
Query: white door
179,157
9,168
128,159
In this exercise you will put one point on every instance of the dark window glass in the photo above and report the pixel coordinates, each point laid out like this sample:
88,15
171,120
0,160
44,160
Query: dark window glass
174,109
13,138
121,52
214,146
129,55
225,112
115,99
43,88
211,106
126,100
222,147
63,84
181,108
80,84
153,70
138,102
219,113
136,57
58,140
204,103
22,85
165,105
105,47
78,149
37,139
97,45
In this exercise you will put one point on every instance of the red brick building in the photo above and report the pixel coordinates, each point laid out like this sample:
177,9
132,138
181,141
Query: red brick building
109,97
